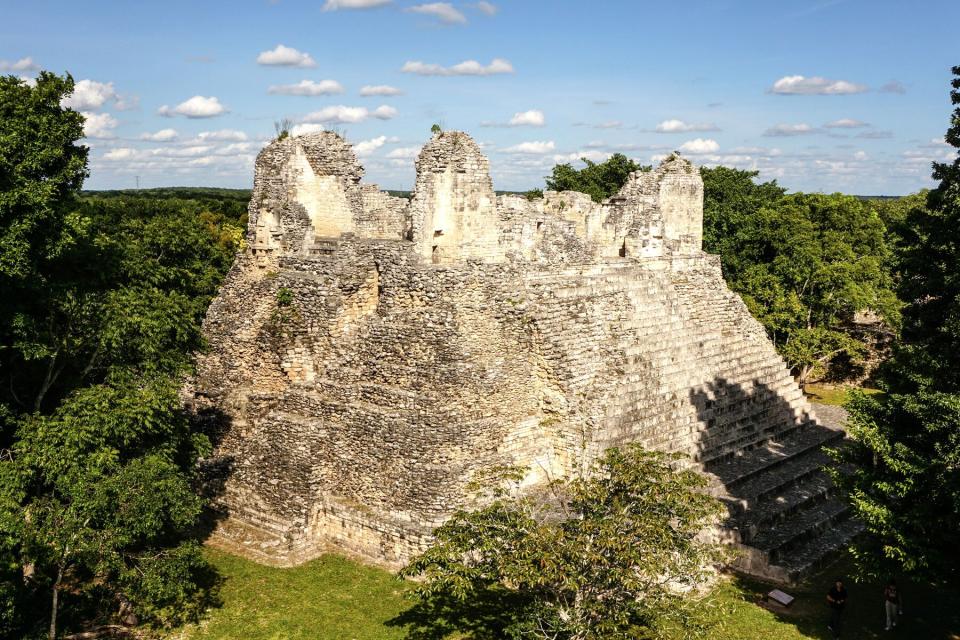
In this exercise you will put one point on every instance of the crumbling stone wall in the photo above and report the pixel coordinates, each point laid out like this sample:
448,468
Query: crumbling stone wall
535,333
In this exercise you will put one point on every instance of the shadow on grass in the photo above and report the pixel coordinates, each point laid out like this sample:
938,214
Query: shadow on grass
931,611
481,618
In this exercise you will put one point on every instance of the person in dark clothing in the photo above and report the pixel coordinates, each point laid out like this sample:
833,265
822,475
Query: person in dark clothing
892,604
837,599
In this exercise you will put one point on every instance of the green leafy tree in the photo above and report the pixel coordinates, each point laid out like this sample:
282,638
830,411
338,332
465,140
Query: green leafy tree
805,264
599,180
906,445
97,460
616,554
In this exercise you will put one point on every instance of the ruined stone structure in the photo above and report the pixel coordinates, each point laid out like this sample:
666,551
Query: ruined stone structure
369,354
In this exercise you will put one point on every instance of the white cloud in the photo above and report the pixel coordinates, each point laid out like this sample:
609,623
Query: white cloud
531,118
860,155
846,123
304,128
30,82
404,153
533,148
784,130
366,147
379,90
127,103
123,153
465,68
222,135
349,115
699,146
801,85
592,155
98,125
333,5
485,8
445,12
164,135
195,107
23,64
283,56
307,88
88,95
679,126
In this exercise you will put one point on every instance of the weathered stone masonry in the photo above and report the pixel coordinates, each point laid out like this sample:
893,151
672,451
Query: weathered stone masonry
429,338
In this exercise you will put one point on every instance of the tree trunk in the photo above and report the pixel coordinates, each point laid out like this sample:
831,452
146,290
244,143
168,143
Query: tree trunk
53,608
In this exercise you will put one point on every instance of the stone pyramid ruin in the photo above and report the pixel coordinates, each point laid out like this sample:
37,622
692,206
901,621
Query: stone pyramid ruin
368,354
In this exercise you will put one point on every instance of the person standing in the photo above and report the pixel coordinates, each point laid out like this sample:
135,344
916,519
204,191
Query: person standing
891,602
837,599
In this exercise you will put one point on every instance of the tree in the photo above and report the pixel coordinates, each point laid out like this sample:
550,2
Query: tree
616,554
97,461
598,180
905,445
805,264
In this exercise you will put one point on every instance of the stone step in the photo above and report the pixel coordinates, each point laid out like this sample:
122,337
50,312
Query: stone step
815,553
766,486
779,540
740,468
791,501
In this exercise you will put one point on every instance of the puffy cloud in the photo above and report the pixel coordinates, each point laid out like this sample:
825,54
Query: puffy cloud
307,88
846,123
531,118
334,5
98,125
699,146
123,153
801,85
785,130
366,147
349,115
404,153
532,148
486,8
23,64
89,94
379,90
164,135
195,107
445,12
860,155
127,103
592,155
306,127
894,86
465,68
679,126
283,56
222,135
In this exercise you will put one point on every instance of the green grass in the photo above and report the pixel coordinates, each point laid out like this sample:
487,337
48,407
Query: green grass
831,394
333,598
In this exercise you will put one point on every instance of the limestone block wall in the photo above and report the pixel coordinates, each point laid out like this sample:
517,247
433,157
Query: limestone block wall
453,211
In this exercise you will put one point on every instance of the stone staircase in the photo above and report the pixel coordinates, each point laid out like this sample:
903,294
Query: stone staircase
783,513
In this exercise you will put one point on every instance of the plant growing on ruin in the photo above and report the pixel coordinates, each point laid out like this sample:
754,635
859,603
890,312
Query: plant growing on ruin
283,128
436,130
615,554
599,180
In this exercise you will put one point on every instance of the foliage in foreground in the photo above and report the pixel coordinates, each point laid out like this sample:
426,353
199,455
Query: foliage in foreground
907,443
616,554
100,311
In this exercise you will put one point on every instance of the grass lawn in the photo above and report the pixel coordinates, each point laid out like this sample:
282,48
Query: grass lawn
832,394
333,598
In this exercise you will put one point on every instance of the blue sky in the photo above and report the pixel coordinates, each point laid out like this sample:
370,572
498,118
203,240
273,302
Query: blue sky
823,95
